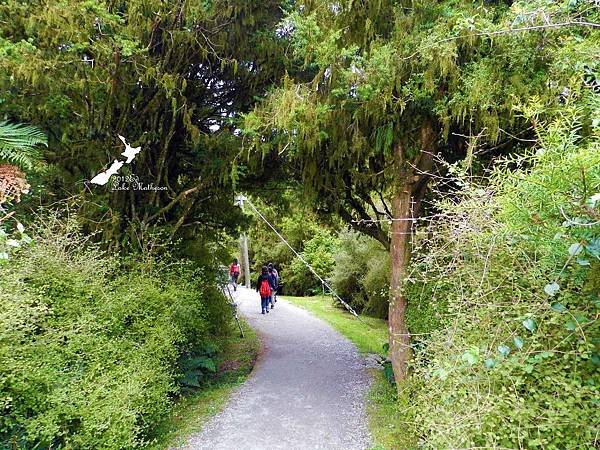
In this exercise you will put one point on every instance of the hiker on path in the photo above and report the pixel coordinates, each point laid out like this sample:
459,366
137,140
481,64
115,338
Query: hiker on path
234,273
264,287
274,283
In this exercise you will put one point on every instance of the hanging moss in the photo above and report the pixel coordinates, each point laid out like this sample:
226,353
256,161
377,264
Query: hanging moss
160,74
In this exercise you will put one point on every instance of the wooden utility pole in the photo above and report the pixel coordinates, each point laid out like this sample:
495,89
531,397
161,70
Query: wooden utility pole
239,200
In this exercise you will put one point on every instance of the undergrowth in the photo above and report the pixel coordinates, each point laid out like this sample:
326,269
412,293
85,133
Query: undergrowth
197,405
95,348
511,357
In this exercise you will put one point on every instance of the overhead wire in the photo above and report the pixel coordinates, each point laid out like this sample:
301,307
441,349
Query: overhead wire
299,256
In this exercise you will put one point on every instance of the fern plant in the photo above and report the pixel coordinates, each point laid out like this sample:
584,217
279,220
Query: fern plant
19,144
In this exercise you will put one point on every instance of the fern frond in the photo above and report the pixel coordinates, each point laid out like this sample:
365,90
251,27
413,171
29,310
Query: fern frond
19,144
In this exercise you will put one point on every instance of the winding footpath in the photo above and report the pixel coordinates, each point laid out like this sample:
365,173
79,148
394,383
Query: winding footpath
306,391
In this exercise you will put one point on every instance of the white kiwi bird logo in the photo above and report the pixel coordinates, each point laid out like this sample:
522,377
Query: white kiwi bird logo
130,153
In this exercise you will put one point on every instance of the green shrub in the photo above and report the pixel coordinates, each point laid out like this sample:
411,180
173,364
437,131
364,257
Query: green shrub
512,357
319,252
90,345
297,225
428,289
350,270
361,274
377,282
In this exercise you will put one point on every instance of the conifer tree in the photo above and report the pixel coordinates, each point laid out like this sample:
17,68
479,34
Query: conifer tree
169,76
396,87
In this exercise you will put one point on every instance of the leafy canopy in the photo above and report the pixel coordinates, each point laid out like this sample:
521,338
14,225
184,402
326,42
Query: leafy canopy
382,72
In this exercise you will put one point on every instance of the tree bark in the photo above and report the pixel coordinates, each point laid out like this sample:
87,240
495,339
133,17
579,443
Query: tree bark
400,350
411,181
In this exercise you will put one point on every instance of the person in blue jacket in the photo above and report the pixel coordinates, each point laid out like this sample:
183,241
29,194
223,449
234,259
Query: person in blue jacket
274,280
272,269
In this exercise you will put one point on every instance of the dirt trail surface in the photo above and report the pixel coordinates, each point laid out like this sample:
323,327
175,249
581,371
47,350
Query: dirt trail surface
306,392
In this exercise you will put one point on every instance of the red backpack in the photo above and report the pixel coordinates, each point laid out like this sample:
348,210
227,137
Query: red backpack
265,289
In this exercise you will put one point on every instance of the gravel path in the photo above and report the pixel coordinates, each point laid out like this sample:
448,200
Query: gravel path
306,392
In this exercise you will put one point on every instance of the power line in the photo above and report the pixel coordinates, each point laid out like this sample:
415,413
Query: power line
243,199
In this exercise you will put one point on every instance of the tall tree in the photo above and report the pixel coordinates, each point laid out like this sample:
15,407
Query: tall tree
397,86
170,76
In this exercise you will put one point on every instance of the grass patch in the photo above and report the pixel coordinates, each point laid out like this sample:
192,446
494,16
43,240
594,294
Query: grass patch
195,407
384,409
389,416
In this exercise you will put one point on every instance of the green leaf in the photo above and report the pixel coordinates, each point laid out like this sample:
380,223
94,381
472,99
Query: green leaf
470,357
18,144
580,318
571,325
190,379
504,350
528,368
518,342
199,362
551,289
210,365
558,307
490,363
575,249
593,247
440,373
530,324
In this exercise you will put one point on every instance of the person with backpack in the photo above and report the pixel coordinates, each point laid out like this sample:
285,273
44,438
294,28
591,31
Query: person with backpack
234,273
274,283
264,287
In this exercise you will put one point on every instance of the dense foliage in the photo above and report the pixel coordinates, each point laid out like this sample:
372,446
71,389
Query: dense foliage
386,73
319,252
375,116
93,348
299,225
296,222
19,144
362,273
507,295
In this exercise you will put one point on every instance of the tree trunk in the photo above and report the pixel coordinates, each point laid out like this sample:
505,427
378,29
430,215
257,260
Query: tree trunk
411,181
400,350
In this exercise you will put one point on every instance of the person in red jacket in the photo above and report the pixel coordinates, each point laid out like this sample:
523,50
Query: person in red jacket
264,286
234,273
